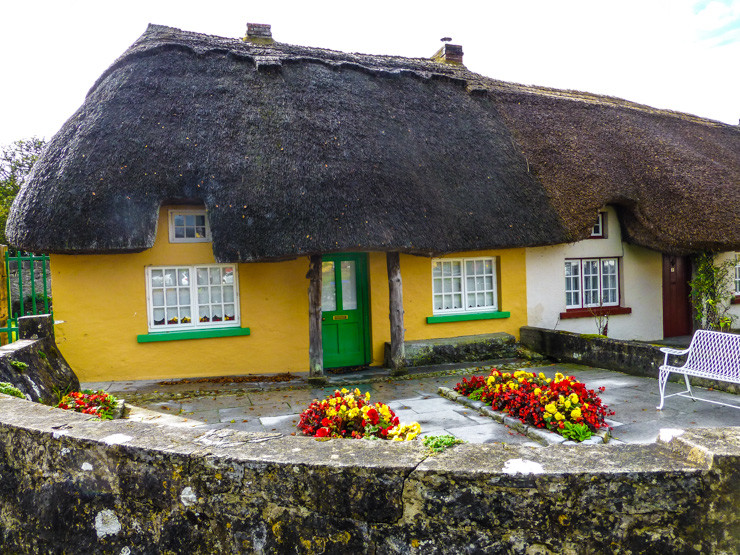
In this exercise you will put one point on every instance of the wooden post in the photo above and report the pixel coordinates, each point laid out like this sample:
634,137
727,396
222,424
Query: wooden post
4,337
395,295
315,347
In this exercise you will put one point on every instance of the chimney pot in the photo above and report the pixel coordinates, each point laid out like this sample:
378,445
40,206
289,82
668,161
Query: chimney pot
259,32
449,54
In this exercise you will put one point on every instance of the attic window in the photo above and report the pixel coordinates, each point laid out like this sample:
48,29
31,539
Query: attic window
189,226
599,229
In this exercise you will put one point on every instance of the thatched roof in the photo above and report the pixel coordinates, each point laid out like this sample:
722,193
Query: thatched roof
299,150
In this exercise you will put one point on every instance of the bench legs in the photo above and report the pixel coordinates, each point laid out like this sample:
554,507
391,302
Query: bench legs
663,378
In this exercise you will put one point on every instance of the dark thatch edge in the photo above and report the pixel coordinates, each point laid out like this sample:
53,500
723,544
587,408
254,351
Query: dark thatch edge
297,150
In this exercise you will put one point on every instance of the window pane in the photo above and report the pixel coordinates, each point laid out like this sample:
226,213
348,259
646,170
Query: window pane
204,314
159,316
172,316
203,295
215,294
215,276
170,277
328,287
189,232
171,296
179,233
436,269
202,276
229,313
157,297
185,317
228,291
349,285
189,220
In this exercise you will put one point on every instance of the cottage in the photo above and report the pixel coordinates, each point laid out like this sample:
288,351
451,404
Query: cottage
207,183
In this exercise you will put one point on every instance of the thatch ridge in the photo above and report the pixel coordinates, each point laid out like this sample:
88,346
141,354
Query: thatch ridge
298,150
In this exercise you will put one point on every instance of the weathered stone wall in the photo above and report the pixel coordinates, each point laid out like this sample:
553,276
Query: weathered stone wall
72,485
630,357
34,364
467,348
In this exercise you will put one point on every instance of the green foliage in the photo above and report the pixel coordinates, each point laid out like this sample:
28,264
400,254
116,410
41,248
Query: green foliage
576,432
437,444
16,161
8,389
18,365
712,289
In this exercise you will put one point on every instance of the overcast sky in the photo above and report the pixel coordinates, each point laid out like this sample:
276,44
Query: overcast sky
681,55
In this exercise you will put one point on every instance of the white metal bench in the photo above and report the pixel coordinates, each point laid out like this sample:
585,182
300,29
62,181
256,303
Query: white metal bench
713,355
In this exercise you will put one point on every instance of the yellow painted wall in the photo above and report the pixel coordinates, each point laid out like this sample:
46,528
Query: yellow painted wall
101,301
416,273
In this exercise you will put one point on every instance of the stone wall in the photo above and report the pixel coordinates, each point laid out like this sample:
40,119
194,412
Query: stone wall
34,364
68,484
631,357
467,348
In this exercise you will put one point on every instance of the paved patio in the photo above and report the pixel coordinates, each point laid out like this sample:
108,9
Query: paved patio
275,407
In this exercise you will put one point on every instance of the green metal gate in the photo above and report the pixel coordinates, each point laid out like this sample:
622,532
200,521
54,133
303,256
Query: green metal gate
29,299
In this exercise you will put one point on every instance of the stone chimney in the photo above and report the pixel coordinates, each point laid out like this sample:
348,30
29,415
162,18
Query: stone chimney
260,33
449,53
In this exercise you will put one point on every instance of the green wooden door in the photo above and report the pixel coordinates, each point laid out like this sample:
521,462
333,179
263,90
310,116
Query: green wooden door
345,317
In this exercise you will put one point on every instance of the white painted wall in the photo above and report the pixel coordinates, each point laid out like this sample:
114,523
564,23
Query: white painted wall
640,282
735,308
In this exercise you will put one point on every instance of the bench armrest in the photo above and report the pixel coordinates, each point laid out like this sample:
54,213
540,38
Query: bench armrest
670,351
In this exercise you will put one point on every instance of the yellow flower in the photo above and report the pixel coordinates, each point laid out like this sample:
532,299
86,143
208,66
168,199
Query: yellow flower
344,391
559,416
537,391
559,377
567,403
551,408
542,376
574,398
331,412
575,414
367,396
585,405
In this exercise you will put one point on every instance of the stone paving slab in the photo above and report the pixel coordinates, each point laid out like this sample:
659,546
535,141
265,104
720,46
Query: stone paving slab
415,398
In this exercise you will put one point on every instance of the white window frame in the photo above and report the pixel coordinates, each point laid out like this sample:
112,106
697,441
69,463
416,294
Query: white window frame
737,274
194,305
188,212
464,286
598,231
579,292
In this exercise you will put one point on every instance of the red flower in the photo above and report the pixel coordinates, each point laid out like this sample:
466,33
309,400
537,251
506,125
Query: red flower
322,432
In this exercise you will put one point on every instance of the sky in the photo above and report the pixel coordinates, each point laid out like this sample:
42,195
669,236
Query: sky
681,55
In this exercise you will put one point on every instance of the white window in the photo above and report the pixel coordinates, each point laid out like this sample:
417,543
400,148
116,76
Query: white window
599,229
464,285
192,297
189,226
591,282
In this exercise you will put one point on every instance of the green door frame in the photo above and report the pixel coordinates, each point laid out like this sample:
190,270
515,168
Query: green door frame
363,307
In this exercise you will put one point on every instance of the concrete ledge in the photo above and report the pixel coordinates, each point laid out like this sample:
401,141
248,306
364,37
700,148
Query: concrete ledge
630,357
467,348
120,486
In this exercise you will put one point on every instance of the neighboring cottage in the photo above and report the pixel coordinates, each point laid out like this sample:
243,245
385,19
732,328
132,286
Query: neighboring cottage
207,183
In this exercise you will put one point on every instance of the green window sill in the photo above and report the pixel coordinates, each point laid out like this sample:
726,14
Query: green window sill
190,334
465,317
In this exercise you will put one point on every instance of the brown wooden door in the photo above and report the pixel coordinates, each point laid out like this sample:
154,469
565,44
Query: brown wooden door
677,318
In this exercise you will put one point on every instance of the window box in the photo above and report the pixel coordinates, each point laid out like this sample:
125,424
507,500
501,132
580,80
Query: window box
594,312
467,316
464,286
183,298
191,334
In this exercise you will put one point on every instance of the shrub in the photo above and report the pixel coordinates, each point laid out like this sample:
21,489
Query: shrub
351,415
11,390
561,404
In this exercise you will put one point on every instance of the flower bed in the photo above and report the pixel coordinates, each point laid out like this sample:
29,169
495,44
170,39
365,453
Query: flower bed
97,403
351,415
560,404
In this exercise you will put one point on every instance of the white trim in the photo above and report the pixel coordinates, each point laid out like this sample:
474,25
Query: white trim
463,292
581,291
737,273
598,231
193,307
172,213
